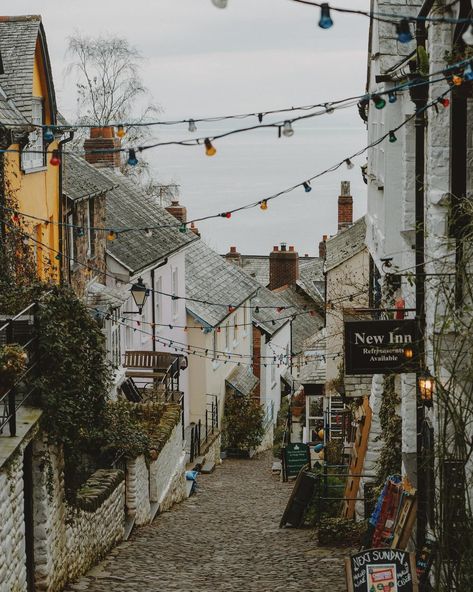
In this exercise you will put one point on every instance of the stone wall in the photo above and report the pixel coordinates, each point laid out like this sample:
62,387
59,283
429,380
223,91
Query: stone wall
12,547
167,473
137,490
212,454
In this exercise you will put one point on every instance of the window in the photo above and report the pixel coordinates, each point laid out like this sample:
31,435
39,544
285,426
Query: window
33,155
175,292
90,233
159,301
227,336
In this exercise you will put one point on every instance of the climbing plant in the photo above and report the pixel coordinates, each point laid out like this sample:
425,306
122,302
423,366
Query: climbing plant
390,458
243,421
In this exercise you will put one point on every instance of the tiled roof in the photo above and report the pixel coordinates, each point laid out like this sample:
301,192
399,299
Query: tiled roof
345,244
18,37
314,372
209,277
242,380
257,266
9,114
104,298
82,179
304,325
269,319
129,206
312,279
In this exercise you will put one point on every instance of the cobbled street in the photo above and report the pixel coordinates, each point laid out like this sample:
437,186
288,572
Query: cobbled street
224,538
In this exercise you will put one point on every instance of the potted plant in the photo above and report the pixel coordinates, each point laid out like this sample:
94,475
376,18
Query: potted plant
13,361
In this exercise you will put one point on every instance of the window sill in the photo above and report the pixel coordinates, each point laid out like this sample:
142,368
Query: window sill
40,169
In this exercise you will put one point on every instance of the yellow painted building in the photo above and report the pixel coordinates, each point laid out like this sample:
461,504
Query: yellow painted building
27,102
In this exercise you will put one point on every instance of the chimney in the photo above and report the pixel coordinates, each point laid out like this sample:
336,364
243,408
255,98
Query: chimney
178,211
345,207
283,267
233,256
323,247
102,138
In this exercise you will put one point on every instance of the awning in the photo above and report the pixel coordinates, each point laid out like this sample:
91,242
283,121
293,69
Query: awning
242,380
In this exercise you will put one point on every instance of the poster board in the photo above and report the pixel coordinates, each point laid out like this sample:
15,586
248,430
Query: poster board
381,570
295,457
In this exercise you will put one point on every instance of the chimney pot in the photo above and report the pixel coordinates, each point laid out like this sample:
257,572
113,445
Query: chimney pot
345,207
233,256
102,147
283,246
233,250
291,248
275,248
179,212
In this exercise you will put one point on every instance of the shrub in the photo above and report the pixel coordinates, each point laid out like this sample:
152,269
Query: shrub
340,532
243,422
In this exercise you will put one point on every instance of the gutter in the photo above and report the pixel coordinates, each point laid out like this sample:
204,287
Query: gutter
61,196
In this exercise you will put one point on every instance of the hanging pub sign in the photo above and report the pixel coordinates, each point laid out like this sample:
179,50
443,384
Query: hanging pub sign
380,347
381,570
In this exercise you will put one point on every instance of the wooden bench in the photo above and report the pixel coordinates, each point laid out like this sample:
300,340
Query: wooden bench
148,364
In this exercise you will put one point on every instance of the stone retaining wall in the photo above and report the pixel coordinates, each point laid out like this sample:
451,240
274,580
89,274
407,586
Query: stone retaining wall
137,490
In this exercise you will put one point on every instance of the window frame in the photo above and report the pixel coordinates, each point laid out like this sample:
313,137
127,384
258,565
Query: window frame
33,155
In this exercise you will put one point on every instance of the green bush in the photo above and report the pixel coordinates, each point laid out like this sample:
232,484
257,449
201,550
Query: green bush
340,532
243,422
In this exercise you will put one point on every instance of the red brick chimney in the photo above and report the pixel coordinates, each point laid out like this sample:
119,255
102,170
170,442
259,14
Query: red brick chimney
102,138
283,267
323,247
345,207
233,256
178,211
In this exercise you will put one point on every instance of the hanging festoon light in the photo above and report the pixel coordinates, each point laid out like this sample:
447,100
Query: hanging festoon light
378,101
226,215
210,149
192,126
403,31
55,158
112,235
444,102
325,21
287,129
120,131
260,117
307,187
349,164
220,3
263,205
457,80
392,137
132,160
468,73
148,233
468,35
392,97
183,228
80,231
48,135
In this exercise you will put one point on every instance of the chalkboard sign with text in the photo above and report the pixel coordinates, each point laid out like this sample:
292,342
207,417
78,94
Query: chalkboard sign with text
381,570
296,456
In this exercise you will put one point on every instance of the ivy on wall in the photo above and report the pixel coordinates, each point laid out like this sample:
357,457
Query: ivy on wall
390,458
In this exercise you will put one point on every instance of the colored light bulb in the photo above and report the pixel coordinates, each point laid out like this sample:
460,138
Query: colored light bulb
148,233
120,131
444,102
192,126
55,158
16,218
112,235
392,137
58,257
392,97
220,3
260,117
48,135
287,129
226,215
307,187
378,101
182,228
325,21
264,205
403,30
79,231
132,160
468,73
349,164
457,80
210,150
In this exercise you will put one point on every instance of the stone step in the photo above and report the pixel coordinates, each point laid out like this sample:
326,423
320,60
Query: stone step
208,468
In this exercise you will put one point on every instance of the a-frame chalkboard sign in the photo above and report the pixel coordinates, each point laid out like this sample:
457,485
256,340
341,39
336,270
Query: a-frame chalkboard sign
381,570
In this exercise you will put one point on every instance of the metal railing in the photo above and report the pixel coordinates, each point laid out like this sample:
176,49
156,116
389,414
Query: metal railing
201,431
20,330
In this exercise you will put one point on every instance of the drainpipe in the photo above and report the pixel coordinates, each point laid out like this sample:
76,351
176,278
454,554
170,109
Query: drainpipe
60,213
420,99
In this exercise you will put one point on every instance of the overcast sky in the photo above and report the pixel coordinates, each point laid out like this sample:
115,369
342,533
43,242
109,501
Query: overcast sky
254,55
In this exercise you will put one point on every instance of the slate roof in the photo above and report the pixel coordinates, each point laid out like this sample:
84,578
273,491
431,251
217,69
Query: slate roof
312,279
242,380
82,180
269,319
18,37
345,244
210,277
257,266
104,298
314,372
9,114
127,205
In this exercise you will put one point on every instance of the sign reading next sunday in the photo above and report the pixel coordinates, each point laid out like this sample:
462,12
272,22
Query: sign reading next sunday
381,570
380,347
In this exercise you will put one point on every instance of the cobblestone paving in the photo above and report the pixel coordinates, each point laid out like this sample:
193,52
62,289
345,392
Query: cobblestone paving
224,538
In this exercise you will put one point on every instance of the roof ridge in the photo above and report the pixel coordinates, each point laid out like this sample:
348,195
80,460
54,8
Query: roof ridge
22,18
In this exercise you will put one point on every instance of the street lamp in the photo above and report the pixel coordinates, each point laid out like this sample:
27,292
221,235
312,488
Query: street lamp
139,291
426,387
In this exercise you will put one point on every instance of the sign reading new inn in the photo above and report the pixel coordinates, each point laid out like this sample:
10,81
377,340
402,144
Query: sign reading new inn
380,347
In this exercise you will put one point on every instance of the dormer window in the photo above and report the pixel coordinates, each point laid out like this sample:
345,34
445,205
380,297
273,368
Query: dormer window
33,155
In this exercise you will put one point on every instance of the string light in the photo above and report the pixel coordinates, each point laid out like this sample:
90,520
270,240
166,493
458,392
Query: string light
468,73
457,80
132,160
325,21
307,186
392,137
349,164
287,129
55,158
445,102
210,150
264,205
48,135
192,126
403,31
112,235
120,131
182,227
378,101
80,232
260,117
392,97
148,233
220,3
226,215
